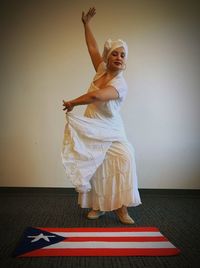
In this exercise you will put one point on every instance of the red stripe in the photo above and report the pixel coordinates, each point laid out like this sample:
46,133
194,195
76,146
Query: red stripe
118,229
102,252
116,239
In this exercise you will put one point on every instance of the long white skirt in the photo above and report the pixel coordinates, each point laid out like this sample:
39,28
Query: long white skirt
115,182
100,162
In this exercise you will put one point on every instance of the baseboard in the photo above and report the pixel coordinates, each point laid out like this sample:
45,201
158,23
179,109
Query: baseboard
57,190
168,191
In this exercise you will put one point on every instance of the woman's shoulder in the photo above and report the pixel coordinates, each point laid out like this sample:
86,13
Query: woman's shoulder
120,80
119,83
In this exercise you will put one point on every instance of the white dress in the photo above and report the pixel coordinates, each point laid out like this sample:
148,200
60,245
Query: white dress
98,158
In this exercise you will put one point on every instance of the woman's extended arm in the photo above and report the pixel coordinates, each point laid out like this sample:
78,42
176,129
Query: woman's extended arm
104,94
89,38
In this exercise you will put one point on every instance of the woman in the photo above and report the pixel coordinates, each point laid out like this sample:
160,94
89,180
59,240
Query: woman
96,154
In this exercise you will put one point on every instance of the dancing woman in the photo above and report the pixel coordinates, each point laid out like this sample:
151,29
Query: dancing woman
98,158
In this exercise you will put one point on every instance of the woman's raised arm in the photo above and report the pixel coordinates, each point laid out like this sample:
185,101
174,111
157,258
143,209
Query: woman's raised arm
89,38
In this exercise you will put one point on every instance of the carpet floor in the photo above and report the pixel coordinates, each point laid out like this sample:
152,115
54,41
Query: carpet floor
176,214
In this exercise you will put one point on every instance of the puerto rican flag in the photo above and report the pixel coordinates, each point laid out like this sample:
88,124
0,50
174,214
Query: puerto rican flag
125,241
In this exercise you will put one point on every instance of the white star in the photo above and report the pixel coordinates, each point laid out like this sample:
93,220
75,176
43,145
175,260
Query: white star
40,236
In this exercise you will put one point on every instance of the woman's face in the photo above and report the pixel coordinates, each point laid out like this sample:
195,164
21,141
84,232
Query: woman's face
116,60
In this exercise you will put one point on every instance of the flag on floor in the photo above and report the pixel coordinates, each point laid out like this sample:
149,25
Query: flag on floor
125,241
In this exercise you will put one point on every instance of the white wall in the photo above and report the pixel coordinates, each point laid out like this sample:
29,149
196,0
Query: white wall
44,60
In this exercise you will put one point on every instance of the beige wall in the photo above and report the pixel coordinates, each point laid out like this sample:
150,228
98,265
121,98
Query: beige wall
44,60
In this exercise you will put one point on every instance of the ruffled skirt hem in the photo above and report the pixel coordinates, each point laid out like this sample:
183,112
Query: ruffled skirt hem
108,203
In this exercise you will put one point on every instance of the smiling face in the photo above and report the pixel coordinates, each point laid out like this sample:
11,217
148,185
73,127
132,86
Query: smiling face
116,60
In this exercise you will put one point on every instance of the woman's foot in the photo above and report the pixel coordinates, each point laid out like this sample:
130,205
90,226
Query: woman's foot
123,215
95,214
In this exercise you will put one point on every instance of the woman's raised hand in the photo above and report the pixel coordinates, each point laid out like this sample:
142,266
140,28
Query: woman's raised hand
86,18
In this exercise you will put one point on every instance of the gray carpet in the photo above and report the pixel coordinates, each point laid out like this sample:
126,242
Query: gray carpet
175,213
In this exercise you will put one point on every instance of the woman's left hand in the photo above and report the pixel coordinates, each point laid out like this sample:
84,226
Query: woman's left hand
68,106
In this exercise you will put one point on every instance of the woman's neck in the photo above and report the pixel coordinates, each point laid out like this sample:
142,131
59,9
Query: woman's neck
112,73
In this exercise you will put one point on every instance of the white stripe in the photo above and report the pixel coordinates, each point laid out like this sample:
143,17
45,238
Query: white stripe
107,234
97,244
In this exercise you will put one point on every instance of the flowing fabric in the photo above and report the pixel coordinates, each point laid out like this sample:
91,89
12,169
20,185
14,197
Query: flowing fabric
98,158
86,141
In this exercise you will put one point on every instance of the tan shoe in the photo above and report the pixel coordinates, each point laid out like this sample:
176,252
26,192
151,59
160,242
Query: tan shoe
95,214
123,216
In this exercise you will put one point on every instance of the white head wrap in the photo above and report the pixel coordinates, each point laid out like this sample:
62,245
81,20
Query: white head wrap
110,45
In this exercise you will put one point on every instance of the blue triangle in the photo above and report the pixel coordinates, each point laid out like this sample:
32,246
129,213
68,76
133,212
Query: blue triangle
34,238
